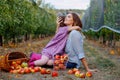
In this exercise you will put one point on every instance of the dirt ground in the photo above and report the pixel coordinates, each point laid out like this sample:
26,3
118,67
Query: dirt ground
98,58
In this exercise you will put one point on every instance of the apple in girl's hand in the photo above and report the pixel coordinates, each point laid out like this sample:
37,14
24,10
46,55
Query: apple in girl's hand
89,74
70,71
82,75
77,73
43,71
57,57
48,71
54,74
56,68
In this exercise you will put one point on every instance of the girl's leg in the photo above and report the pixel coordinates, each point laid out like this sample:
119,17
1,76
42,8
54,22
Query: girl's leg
50,62
44,59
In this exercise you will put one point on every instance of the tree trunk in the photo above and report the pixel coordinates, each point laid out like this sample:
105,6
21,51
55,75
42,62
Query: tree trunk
14,41
26,37
1,41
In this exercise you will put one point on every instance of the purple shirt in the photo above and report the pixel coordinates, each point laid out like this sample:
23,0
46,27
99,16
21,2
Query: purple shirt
57,44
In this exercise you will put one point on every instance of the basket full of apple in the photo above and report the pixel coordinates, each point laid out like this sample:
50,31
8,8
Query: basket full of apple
12,60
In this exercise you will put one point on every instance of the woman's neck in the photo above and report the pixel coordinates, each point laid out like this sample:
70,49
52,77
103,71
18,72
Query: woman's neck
69,25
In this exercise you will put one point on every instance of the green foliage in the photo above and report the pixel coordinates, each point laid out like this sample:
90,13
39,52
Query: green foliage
20,17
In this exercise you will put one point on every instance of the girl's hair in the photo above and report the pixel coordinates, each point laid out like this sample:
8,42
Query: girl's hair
62,21
76,19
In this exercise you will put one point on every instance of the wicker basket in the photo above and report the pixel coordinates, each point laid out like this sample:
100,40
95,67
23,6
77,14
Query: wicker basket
9,57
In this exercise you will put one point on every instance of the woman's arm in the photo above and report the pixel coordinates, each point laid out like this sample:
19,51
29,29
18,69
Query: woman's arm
74,28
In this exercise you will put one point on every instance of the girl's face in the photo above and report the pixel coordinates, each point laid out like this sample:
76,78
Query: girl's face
69,20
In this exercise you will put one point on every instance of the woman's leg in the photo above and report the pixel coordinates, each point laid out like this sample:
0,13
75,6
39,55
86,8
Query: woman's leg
44,59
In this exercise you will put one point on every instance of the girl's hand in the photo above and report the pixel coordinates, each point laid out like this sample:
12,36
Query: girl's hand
77,28
74,28
59,21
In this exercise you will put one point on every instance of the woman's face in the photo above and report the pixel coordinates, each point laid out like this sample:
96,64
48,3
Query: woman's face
69,20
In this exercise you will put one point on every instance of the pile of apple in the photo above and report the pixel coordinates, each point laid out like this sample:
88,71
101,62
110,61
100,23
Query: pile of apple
22,68
18,67
60,62
79,74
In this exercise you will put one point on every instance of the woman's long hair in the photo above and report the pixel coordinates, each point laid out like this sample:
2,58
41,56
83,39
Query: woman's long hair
76,19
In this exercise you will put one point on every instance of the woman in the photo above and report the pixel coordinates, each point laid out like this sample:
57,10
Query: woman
74,45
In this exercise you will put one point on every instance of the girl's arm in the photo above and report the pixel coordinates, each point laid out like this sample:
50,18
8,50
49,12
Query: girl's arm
74,28
58,21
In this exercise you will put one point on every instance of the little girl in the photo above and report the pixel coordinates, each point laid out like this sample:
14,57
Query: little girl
55,46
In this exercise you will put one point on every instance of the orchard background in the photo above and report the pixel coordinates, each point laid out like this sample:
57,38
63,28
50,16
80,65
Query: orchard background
27,26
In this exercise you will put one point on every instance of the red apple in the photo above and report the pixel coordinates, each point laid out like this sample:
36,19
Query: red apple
82,75
56,68
56,62
75,69
36,69
62,61
21,71
48,71
89,74
11,71
61,66
54,74
31,70
43,71
27,70
15,72
18,62
70,71
57,57
61,57
13,62
77,73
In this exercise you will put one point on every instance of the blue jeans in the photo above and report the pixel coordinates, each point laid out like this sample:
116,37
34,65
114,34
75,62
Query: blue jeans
71,65
74,48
